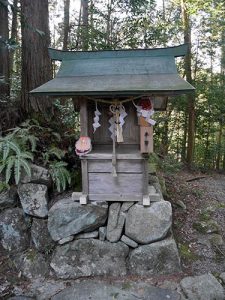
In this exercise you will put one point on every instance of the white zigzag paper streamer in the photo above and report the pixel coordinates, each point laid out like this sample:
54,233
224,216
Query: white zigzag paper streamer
97,113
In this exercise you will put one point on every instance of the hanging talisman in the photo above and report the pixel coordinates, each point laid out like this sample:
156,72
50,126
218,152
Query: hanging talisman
117,121
145,110
97,113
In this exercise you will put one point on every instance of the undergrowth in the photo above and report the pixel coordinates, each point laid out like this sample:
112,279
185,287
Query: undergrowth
32,142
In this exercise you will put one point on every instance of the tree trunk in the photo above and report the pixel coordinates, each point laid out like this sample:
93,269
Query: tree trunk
108,27
66,27
13,34
218,157
84,18
190,97
36,64
184,140
4,52
223,73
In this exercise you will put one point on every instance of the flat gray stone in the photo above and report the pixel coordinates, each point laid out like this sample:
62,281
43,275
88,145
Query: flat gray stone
68,218
203,287
32,264
102,233
39,175
21,298
8,198
126,206
89,257
66,240
34,199
40,235
46,288
116,220
129,242
13,230
105,291
148,224
157,258
222,277
87,235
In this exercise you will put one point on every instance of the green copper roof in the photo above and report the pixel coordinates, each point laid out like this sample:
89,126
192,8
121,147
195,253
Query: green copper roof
116,72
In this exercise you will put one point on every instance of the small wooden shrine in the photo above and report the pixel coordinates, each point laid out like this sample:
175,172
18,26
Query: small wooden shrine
118,92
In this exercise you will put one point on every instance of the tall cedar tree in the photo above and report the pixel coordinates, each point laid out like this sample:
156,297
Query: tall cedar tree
36,64
190,97
13,36
84,31
4,52
66,26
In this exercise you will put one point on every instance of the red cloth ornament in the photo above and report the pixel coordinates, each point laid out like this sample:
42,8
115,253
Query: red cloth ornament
146,103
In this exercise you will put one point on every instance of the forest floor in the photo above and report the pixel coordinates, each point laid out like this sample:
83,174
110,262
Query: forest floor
198,202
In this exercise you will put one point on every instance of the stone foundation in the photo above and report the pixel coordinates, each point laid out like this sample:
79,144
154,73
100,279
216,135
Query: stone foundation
97,239
135,239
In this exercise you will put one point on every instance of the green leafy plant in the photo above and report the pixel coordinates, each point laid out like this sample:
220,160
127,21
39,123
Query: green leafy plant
3,186
53,152
28,141
14,157
60,175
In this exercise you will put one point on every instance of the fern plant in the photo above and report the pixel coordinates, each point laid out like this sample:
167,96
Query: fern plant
14,157
52,152
60,175
18,147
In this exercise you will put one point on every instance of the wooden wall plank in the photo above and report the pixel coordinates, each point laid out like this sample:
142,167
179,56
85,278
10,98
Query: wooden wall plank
122,166
115,197
105,183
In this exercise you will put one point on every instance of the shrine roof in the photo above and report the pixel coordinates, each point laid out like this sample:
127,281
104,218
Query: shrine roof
117,72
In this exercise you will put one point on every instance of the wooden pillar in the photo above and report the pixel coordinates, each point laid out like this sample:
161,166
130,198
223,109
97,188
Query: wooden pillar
84,132
83,116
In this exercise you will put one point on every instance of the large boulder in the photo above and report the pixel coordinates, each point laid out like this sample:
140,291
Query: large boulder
68,218
34,199
13,230
89,257
32,264
116,220
39,175
40,236
8,198
157,258
203,287
148,224
103,290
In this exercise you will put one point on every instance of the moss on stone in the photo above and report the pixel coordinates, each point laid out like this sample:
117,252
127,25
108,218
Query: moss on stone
205,227
186,253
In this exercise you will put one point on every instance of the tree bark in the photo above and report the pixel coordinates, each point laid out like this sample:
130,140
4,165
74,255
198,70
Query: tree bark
66,27
36,64
109,27
219,141
4,52
188,73
84,18
223,73
13,36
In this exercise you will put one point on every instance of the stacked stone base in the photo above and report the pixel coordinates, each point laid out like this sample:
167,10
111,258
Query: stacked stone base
97,239
112,240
